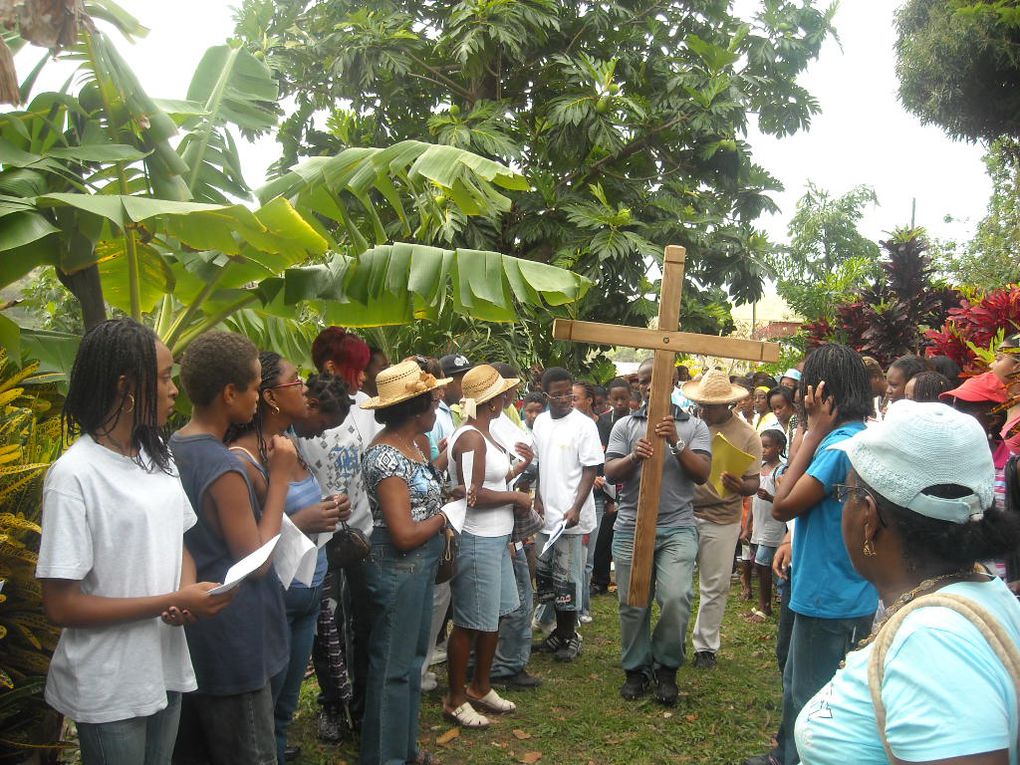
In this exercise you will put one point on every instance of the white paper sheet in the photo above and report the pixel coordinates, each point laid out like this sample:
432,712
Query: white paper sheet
456,513
295,556
555,533
245,566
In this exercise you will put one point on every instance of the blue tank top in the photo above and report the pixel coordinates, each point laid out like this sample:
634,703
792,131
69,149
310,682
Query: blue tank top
300,495
242,647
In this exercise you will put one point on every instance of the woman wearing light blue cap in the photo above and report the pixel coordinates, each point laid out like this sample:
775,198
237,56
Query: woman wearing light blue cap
937,680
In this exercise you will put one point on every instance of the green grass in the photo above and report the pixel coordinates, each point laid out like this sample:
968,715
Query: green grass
577,717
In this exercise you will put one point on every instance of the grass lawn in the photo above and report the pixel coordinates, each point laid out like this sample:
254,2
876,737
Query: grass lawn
578,718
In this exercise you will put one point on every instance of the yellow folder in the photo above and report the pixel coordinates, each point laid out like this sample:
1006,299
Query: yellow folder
726,458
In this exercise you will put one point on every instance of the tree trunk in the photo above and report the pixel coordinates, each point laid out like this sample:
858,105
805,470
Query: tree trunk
88,289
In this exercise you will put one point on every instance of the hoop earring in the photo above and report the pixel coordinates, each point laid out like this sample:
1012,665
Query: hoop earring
275,408
869,549
130,396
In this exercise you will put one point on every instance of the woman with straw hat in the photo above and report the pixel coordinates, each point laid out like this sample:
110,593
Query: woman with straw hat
484,587
405,496
937,679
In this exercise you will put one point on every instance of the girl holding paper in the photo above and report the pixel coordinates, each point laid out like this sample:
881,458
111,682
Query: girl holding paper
282,402
484,587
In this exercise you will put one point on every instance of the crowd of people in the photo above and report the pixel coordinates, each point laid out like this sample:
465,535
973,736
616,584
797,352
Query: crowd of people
462,512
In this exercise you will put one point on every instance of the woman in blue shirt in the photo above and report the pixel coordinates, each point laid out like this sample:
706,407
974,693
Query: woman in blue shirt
927,686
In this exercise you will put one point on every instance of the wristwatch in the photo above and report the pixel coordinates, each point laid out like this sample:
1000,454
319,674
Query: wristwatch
678,447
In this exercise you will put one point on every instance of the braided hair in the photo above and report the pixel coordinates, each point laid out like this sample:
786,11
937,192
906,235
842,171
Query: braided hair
846,380
331,393
94,405
270,361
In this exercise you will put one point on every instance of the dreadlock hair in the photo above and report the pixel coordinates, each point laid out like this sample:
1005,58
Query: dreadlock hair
215,360
930,543
348,352
270,376
846,380
94,405
331,393
589,389
910,366
929,385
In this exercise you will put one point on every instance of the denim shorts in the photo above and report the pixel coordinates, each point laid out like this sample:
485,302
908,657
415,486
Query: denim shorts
764,555
484,587
560,572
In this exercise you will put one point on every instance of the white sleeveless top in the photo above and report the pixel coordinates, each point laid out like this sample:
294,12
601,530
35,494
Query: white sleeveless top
486,521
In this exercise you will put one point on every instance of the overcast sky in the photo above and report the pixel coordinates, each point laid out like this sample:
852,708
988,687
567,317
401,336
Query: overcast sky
862,135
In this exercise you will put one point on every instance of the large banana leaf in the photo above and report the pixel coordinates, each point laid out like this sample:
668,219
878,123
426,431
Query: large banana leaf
398,283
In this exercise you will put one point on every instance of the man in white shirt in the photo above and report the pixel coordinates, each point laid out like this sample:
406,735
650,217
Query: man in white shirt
568,452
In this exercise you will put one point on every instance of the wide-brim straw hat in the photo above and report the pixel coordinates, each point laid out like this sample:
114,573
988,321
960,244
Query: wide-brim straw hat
714,387
401,382
483,383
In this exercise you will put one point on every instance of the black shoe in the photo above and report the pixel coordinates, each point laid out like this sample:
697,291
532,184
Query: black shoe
551,644
636,685
599,589
762,759
329,724
666,692
704,660
571,649
522,681
291,753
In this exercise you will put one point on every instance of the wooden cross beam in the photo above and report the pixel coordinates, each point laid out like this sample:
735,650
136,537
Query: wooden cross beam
666,341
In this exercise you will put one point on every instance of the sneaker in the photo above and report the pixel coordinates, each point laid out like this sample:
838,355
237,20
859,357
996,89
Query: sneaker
551,644
585,619
635,687
429,682
522,681
438,654
704,660
666,692
329,724
571,648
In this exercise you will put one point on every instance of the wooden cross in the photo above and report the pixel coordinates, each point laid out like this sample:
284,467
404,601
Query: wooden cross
667,342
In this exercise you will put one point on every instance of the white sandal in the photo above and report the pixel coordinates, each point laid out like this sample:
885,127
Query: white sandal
493,702
466,716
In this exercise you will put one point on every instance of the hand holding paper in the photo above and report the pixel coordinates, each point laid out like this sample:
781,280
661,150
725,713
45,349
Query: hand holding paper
246,566
726,458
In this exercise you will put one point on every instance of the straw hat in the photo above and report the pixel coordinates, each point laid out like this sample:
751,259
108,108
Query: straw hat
401,382
483,383
714,387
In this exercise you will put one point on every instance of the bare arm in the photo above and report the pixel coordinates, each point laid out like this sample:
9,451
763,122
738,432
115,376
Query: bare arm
479,497
573,515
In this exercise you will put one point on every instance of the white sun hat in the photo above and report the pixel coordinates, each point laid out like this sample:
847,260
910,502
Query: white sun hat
921,445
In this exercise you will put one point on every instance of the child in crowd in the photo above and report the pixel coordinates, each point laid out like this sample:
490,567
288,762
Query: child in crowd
534,405
230,720
766,532
112,559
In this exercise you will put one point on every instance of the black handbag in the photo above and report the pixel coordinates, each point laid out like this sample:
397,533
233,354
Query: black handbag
448,557
347,546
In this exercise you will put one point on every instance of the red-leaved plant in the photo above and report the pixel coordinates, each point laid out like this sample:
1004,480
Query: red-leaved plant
976,320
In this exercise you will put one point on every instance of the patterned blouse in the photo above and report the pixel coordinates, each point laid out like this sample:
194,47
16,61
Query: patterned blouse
383,461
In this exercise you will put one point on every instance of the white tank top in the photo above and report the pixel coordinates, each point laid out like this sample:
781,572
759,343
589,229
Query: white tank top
486,521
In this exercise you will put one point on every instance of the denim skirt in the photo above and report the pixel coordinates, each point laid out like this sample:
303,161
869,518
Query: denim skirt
484,587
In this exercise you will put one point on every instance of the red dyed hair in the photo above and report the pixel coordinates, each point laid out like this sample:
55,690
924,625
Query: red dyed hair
348,352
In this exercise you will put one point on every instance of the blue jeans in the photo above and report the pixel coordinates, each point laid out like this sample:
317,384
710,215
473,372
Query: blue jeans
589,561
673,586
135,741
514,648
399,590
302,612
223,730
817,646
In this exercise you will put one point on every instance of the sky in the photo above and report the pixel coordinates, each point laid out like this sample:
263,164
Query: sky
862,136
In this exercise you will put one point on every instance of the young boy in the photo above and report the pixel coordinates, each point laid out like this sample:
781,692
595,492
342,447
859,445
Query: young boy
230,718
568,451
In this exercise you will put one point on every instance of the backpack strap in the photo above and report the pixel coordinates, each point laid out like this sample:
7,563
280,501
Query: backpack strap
985,622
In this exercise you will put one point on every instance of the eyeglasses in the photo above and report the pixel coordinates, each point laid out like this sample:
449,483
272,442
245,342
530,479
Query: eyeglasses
561,396
298,381
840,491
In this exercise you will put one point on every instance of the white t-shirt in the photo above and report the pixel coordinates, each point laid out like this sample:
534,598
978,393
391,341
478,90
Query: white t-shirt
335,459
119,530
563,448
486,521
364,419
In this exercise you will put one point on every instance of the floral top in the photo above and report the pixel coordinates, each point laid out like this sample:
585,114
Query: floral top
382,461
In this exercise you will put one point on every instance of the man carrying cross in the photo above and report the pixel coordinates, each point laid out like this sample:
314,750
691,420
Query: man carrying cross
658,654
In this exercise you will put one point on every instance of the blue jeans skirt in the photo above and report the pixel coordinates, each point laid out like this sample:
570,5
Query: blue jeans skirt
484,587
